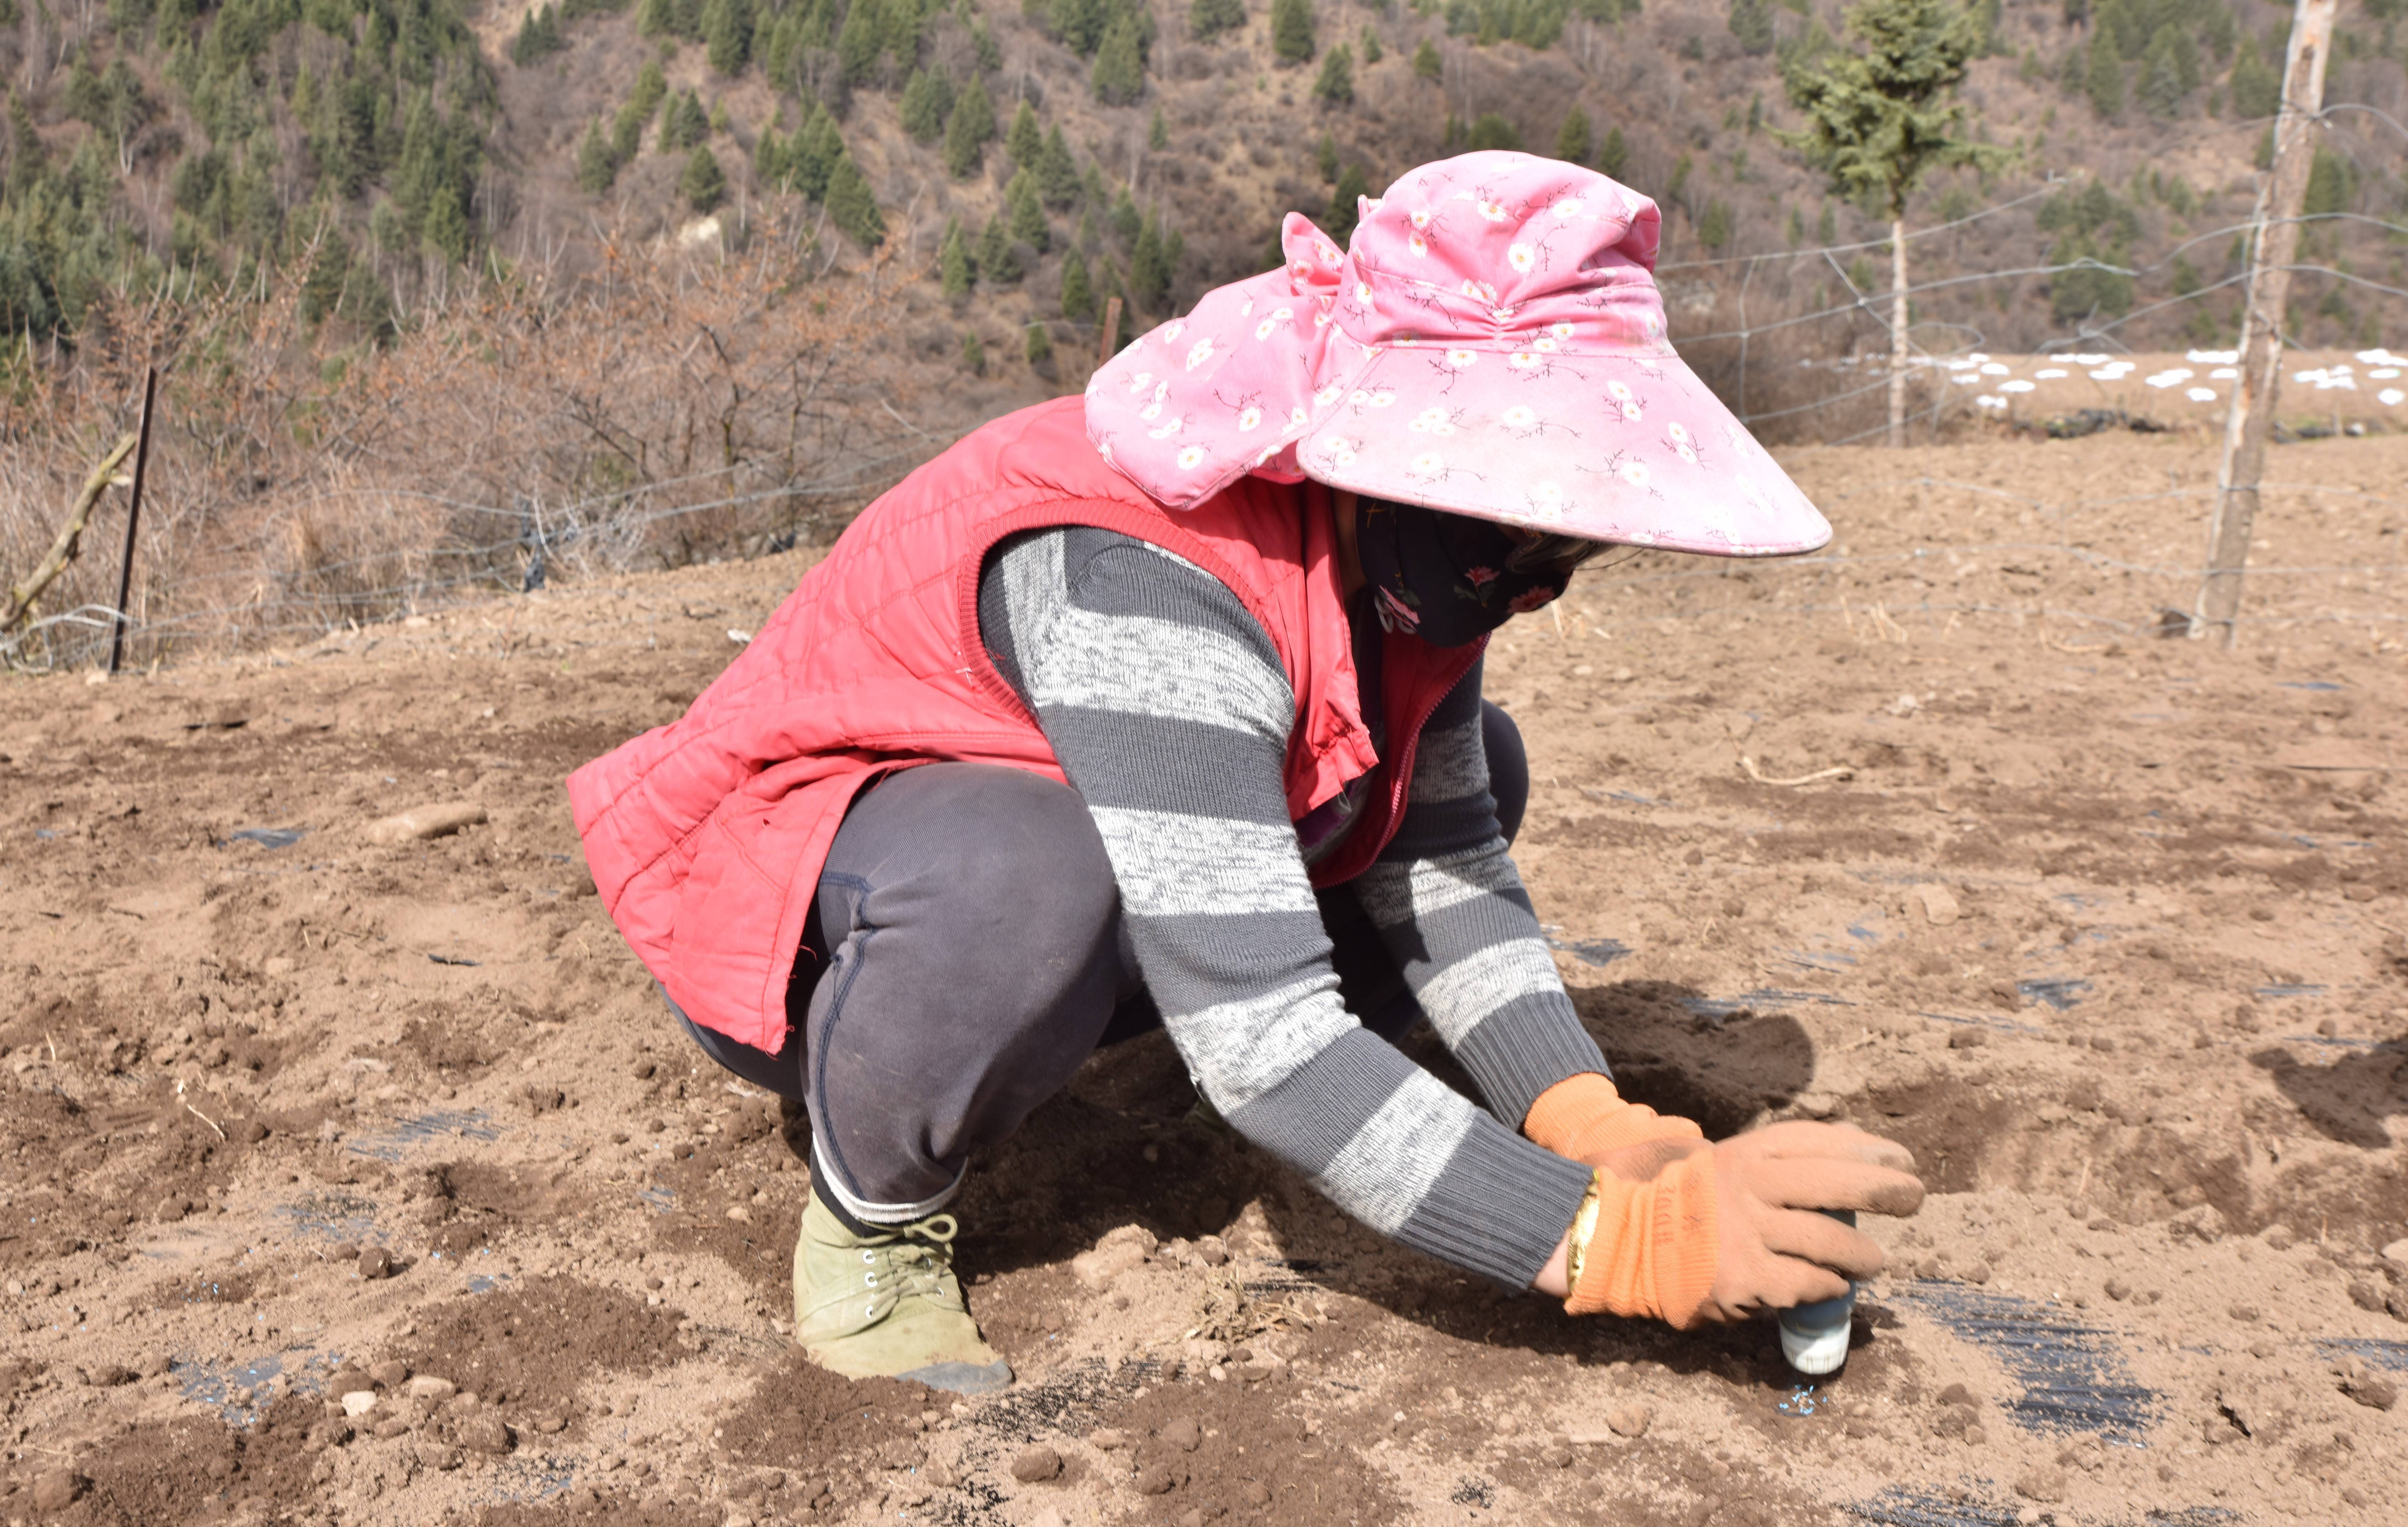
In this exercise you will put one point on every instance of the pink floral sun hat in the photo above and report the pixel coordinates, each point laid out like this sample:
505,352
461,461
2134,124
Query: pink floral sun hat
1491,344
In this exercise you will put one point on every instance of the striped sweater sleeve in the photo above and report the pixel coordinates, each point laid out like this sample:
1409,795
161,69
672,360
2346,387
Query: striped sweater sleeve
1450,905
1168,709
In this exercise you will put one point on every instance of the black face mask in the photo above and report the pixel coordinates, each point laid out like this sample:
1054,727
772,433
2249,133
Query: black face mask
1445,577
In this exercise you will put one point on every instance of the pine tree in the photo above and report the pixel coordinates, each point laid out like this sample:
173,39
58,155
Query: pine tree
1426,64
999,262
1292,30
2329,185
860,41
703,183
967,127
953,264
769,155
1613,154
1336,84
1027,214
1058,176
1714,228
322,288
1209,19
655,19
2103,78
1347,204
1119,75
1040,345
2256,89
1751,22
728,35
1372,51
814,152
2161,83
1490,130
1150,267
1157,132
685,124
596,165
924,105
627,128
852,207
1078,294
1024,141
1878,122
1126,220
1572,142
1326,157
973,353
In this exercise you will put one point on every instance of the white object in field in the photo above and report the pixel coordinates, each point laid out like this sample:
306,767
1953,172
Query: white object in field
1814,1337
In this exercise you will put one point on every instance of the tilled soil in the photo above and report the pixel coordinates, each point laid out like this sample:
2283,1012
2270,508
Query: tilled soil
2107,927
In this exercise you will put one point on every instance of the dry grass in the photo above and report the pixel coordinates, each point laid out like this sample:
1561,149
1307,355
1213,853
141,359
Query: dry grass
664,410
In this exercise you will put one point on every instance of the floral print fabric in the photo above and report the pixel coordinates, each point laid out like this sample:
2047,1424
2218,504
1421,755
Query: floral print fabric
1491,343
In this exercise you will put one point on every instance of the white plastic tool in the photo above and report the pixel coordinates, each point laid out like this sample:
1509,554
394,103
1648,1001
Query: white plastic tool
1814,1337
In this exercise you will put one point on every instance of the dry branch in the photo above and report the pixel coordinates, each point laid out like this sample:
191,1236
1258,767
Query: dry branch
63,551
1837,771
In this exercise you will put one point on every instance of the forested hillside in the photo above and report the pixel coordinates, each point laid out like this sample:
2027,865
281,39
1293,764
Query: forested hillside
1039,157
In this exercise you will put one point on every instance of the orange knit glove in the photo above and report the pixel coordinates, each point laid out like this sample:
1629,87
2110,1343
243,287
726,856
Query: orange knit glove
1584,1118
1722,1231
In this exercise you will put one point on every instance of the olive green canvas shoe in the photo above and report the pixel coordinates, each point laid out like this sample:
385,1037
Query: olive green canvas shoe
888,1306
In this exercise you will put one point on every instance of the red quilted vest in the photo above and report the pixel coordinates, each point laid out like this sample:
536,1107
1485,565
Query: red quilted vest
706,836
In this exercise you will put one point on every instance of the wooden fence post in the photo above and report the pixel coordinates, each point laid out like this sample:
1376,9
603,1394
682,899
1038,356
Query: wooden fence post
2249,425
133,518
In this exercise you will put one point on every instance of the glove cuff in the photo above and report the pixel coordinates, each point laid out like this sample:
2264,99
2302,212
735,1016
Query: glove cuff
1583,1118
1656,1245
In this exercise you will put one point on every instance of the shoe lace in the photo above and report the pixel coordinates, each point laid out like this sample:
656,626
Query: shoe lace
920,1256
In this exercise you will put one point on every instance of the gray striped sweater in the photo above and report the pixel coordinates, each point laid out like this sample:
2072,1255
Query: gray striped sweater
1168,709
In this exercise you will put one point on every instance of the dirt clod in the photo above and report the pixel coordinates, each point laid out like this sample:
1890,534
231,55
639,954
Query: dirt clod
2044,1483
55,1490
484,1432
376,1263
2375,1393
1155,1480
1183,1433
1630,1420
1035,1466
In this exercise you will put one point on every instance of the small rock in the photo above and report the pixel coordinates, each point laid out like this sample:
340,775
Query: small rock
939,1475
2397,1252
110,1376
1978,1273
2044,1483
1939,904
1116,1253
1037,1464
1957,1394
485,1433
1155,1480
55,1490
1108,1440
1213,1251
434,1455
1558,1455
376,1263
391,1374
1965,1038
427,1387
359,1402
1630,1420
425,821
2375,1393
1255,1492
152,1366
2118,1289
1183,1434
2245,1314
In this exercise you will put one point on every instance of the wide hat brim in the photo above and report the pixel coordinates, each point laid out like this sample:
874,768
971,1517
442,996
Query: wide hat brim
1624,449
1491,343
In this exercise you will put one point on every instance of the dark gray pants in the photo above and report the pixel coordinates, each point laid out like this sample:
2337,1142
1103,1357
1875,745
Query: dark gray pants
964,955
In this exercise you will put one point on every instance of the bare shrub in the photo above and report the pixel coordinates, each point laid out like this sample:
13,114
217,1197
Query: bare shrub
667,408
